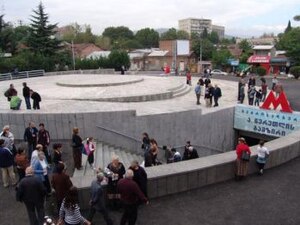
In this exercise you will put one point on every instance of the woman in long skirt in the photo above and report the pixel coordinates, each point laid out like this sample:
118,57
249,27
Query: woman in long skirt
241,165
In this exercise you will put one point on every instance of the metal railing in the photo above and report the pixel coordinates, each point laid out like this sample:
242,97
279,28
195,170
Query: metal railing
21,75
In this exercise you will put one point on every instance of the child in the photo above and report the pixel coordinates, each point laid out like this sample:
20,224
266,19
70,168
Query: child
90,148
22,162
258,97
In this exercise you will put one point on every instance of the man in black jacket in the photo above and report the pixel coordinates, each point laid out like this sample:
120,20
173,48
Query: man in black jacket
26,94
139,176
32,192
217,95
30,136
36,99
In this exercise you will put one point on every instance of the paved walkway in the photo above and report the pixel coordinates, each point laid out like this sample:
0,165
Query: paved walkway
271,199
52,94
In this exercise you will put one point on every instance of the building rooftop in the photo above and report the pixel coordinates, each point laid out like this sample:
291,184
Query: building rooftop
263,47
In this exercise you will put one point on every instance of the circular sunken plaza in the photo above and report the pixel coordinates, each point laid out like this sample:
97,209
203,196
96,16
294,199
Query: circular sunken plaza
94,93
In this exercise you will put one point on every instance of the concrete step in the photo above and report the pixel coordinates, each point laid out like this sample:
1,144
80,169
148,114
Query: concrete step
182,91
99,158
80,173
106,155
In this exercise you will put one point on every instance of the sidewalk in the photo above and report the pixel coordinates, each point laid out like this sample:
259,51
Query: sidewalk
271,199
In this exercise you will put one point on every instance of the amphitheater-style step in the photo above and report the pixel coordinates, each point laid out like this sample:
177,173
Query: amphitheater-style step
102,157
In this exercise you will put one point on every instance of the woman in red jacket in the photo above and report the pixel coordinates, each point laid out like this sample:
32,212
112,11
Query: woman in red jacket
242,164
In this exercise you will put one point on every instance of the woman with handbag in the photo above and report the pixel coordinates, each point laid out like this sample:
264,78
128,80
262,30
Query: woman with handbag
262,155
242,161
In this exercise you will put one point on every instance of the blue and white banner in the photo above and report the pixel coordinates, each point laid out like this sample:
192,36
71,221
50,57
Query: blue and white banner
268,122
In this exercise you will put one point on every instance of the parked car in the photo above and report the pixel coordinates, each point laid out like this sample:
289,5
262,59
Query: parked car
218,72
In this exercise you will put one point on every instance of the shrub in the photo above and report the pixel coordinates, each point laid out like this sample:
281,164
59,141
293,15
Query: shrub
260,71
295,70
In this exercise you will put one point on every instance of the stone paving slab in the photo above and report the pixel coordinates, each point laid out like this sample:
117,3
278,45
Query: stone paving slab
51,94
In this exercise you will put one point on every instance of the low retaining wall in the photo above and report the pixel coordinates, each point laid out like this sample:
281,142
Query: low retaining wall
187,175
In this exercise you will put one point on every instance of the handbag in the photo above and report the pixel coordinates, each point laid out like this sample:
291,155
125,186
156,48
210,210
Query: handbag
245,156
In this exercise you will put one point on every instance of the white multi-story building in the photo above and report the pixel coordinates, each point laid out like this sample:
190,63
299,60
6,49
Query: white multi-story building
194,25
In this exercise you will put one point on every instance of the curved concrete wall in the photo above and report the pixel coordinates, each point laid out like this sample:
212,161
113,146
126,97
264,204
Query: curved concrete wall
188,175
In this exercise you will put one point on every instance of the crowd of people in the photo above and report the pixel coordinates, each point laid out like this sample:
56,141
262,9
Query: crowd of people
15,101
256,96
43,169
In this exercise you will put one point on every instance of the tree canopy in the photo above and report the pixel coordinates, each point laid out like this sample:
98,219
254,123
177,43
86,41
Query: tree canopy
147,37
42,35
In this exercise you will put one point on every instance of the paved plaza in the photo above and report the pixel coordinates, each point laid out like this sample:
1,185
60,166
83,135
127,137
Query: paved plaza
58,99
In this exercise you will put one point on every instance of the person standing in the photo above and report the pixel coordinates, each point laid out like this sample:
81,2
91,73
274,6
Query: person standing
90,149
6,165
44,140
198,93
217,95
32,192
131,196
8,139
97,201
274,82
69,213
242,93
251,95
242,165
258,97
77,148
21,162
57,152
251,81
146,142
117,171
30,136
61,183
26,95
188,78
11,91
139,176
36,99
262,156
264,89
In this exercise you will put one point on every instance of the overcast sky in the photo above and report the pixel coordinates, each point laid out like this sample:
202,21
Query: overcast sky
240,17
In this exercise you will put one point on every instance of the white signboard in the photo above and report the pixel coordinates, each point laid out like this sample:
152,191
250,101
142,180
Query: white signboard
183,47
268,122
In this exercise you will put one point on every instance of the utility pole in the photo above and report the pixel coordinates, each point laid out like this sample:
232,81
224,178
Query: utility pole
73,55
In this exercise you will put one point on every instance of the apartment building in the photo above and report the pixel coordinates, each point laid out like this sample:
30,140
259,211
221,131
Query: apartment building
194,25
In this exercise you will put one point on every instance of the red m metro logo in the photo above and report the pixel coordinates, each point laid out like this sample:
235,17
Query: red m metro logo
281,100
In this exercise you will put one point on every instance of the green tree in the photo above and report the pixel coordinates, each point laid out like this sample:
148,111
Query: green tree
297,18
171,34
183,35
290,43
288,28
207,48
103,42
147,37
204,34
214,37
116,33
117,59
220,57
42,40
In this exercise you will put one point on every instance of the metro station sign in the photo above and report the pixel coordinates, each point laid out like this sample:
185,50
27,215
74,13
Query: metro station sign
274,101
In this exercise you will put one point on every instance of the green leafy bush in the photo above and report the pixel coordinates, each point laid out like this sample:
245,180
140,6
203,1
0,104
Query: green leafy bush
260,71
295,70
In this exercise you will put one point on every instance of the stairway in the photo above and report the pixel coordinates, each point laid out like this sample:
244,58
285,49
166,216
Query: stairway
102,157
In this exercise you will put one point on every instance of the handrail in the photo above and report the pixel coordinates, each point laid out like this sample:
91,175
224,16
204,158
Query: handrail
119,133
22,74
160,147
200,146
